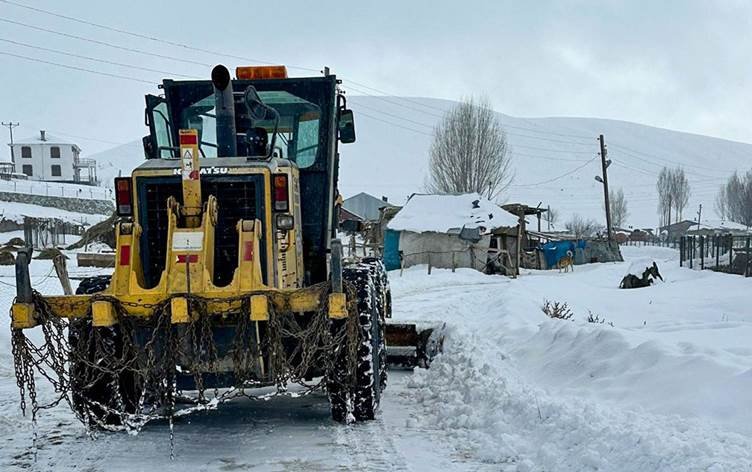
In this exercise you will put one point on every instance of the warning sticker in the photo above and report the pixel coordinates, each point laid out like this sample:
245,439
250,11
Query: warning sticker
187,241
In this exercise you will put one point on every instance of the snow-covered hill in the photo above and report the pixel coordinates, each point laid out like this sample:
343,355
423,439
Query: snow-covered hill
555,159
118,160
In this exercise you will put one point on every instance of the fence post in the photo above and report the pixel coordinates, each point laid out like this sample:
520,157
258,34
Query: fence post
746,260
454,264
702,252
691,240
731,251
681,252
429,263
717,252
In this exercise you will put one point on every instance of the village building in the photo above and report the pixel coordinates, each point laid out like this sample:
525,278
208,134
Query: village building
366,206
445,231
49,158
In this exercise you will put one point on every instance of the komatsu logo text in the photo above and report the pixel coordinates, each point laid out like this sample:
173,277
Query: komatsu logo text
208,170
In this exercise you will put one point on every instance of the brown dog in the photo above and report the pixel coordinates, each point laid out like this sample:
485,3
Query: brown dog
566,262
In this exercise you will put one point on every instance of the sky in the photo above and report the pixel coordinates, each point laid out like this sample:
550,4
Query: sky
682,65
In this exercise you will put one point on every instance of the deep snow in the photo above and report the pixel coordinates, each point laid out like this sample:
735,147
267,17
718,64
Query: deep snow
668,387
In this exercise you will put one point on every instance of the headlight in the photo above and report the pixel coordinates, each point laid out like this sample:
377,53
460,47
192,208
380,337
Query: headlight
285,222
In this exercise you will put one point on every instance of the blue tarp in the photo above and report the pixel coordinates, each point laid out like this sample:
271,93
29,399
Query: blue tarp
555,250
391,249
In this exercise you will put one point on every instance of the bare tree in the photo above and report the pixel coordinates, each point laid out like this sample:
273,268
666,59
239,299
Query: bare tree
618,204
721,203
665,196
735,199
673,194
581,227
469,152
551,217
681,191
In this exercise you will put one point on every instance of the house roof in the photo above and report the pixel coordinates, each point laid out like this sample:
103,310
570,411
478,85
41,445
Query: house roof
48,139
365,205
440,213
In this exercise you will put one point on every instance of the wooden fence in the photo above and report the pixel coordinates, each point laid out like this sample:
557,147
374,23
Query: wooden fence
722,253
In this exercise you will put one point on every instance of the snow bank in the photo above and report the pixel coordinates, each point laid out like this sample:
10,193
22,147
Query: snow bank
440,213
668,387
492,415
15,211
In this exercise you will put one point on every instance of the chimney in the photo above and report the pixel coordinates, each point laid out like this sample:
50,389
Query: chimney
42,136
384,199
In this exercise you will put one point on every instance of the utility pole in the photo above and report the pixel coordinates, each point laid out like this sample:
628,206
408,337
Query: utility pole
10,125
605,164
699,217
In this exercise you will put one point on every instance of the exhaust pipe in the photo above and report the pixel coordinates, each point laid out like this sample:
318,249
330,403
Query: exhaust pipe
225,111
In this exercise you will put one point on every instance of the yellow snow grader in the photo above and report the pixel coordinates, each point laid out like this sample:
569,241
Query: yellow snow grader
228,275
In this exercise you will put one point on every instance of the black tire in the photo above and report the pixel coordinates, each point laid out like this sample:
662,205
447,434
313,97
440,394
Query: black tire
99,396
361,394
383,301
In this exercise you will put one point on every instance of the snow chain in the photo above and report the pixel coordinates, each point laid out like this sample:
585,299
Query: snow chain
150,364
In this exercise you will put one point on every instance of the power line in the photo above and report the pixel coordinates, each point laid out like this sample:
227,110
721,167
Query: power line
207,51
557,177
82,69
503,126
394,124
104,61
104,43
144,36
633,153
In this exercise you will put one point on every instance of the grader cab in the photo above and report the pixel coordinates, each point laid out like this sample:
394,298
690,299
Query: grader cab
227,272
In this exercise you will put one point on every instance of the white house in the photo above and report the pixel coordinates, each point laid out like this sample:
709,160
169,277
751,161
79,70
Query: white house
49,158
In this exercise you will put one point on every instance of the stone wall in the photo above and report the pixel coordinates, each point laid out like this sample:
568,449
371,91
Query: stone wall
597,250
79,205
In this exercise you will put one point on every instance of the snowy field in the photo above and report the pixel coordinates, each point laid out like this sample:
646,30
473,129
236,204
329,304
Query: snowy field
667,387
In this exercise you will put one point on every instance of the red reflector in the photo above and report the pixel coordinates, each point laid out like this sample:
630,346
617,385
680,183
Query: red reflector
248,251
188,139
190,258
125,255
280,192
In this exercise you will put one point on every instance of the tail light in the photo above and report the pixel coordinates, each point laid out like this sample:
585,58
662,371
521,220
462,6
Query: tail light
124,196
281,202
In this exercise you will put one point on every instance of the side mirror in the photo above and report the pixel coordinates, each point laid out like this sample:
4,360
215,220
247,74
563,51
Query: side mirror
149,151
346,126
256,108
257,138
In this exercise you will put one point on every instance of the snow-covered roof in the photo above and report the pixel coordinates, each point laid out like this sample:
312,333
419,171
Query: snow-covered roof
48,139
440,213
721,224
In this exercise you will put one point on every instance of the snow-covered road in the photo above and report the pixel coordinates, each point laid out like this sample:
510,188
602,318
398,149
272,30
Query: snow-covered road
668,387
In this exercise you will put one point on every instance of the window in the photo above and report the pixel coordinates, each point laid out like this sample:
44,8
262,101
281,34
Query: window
28,170
55,153
298,128
56,172
26,153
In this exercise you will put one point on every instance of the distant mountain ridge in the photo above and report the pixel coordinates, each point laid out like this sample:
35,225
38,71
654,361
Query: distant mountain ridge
555,159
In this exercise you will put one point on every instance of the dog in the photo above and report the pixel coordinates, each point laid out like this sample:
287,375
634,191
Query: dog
649,277
566,262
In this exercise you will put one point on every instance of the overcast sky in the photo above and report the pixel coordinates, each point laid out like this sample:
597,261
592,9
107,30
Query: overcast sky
683,65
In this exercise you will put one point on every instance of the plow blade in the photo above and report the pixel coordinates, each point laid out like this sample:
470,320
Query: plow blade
409,346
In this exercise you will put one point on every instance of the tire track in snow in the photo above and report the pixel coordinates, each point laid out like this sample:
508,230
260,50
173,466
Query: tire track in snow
369,447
